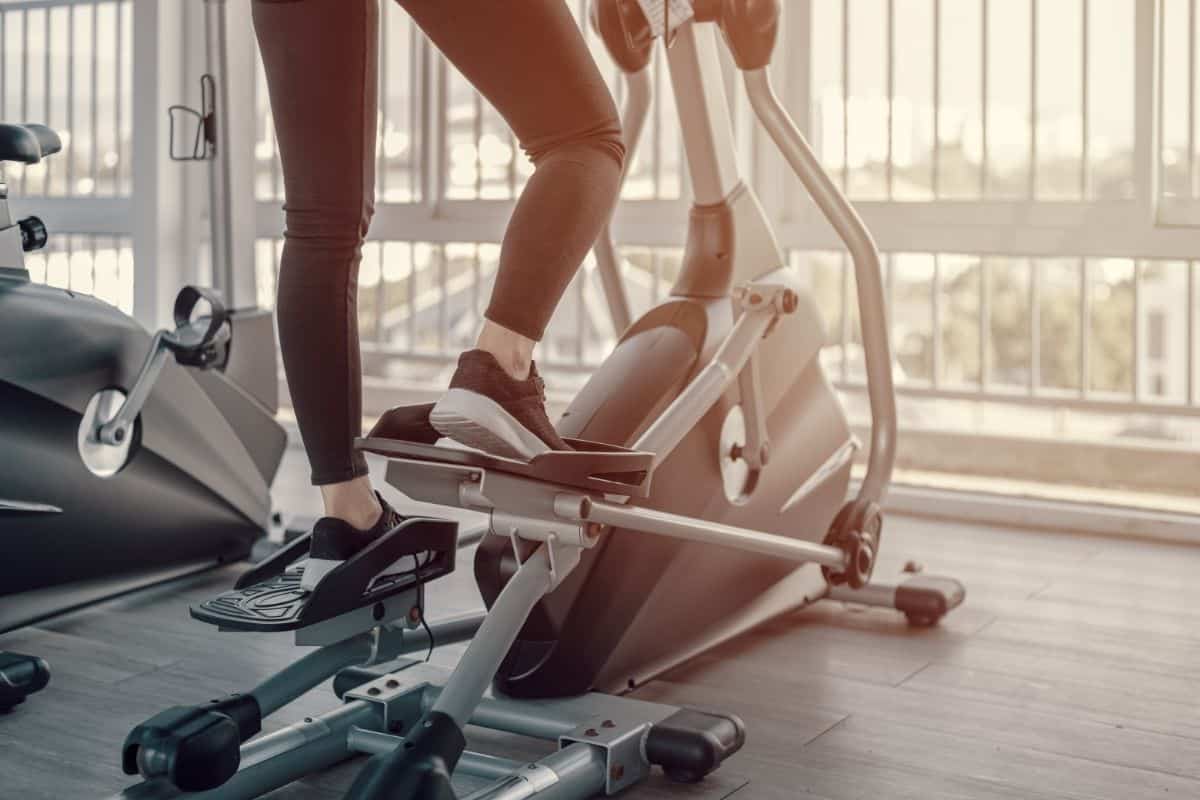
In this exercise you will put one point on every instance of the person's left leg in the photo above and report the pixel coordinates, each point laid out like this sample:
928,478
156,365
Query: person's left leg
530,61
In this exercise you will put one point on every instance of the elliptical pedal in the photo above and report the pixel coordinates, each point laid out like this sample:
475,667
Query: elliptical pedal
404,433
269,598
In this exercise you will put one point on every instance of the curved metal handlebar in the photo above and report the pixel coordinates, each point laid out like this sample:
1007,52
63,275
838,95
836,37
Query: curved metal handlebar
854,234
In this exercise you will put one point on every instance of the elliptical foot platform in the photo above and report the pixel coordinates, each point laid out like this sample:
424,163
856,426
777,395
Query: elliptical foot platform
269,599
404,433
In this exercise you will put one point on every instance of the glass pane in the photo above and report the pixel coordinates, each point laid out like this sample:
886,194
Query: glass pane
827,123
867,125
398,145
1059,100
1058,322
959,318
960,121
1110,348
1110,99
1009,104
912,107
1009,353
1163,331
912,316
1175,161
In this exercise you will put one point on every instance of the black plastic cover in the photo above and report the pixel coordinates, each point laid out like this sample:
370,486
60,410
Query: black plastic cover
276,602
20,676
194,747
690,744
418,770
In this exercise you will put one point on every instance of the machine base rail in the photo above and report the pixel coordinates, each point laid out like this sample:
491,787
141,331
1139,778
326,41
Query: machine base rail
605,743
923,599
20,676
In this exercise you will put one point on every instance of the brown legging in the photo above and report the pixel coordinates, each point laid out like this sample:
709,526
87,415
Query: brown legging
528,58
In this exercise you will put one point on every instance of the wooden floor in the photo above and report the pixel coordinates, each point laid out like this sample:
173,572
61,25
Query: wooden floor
1072,671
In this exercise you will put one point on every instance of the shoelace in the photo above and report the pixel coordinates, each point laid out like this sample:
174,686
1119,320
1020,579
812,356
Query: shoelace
538,383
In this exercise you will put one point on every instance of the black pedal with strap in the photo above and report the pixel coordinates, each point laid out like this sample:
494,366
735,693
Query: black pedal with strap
268,598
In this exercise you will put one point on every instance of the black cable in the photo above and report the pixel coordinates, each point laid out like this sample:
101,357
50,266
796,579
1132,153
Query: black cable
428,632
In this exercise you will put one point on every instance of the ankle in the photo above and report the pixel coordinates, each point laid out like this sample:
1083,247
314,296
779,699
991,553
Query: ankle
512,351
353,502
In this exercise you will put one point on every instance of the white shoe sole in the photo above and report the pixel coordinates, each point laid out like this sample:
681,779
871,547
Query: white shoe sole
315,569
480,422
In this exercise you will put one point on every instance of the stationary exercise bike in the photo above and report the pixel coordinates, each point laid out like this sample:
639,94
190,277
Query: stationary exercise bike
129,459
706,493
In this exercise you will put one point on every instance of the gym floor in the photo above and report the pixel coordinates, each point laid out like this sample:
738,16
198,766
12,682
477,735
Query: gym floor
1072,671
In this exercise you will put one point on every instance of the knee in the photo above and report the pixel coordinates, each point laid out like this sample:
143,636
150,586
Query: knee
611,141
328,227
602,146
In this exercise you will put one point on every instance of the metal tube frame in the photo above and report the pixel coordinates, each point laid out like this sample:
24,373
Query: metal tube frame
704,116
872,306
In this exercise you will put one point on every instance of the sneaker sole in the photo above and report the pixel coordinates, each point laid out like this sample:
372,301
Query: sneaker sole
480,422
315,569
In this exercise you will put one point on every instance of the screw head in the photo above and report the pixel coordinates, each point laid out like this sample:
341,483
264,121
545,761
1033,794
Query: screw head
608,723
591,732
119,434
617,772
392,684
373,691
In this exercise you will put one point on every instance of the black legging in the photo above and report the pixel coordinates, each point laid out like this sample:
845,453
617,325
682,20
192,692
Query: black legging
528,58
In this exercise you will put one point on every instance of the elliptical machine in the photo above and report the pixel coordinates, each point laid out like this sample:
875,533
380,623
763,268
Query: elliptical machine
706,493
129,459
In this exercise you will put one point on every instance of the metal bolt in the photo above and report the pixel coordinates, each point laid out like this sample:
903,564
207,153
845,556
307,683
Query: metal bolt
308,719
473,477
617,772
755,299
119,435
392,684
608,723
373,691
591,732
414,614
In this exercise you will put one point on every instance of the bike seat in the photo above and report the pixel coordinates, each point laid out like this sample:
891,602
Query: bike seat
27,144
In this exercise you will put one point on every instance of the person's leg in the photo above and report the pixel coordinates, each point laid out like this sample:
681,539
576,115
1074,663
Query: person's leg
320,60
530,61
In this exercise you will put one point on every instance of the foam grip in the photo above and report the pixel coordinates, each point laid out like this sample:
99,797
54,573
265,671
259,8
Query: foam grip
194,747
20,676
690,744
